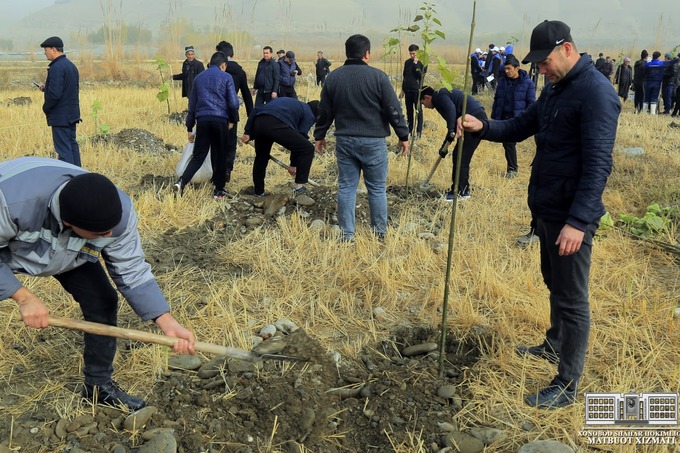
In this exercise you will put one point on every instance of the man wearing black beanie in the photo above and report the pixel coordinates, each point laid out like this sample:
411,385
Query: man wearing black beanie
58,220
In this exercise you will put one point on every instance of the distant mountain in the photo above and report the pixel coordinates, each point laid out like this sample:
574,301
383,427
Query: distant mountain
612,24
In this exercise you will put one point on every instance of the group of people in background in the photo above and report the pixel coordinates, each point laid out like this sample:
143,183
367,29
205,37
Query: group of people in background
650,78
488,66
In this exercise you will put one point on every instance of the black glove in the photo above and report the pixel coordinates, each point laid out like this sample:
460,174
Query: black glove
444,149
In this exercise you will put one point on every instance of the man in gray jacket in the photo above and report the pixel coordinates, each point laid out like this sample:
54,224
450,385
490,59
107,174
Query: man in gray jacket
363,104
58,220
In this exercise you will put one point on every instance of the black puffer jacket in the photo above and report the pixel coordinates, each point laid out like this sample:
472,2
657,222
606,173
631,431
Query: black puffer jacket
574,122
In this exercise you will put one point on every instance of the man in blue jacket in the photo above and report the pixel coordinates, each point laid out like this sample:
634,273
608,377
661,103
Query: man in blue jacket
515,92
285,121
62,105
574,123
449,104
288,70
213,109
58,220
654,71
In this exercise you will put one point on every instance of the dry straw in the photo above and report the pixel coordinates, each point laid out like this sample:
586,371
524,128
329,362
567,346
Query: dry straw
332,290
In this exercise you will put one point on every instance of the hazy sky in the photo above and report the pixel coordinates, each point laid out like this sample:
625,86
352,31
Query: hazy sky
595,22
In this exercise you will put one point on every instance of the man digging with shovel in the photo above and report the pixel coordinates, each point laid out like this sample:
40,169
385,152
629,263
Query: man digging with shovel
58,220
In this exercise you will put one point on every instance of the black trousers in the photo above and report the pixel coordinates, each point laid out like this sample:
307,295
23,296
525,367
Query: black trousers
639,97
412,100
268,130
287,92
470,144
320,79
210,136
567,280
90,287
231,147
262,98
510,149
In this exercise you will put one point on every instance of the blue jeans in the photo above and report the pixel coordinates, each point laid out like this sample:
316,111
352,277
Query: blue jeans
652,89
354,155
567,280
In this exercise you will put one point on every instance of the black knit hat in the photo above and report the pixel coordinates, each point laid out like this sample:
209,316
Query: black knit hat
90,201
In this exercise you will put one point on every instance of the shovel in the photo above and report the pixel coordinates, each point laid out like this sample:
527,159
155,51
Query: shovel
425,185
283,165
148,337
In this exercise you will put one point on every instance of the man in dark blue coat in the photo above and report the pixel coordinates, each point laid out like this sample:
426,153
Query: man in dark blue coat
285,121
449,105
574,122
515,92
62,105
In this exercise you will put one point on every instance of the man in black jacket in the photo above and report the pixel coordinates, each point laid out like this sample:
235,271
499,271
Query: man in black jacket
62,105
410,86
322,68
190,69
574,122
266,78
639,80
241,85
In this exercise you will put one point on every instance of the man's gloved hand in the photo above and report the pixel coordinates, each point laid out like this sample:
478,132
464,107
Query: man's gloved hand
444,149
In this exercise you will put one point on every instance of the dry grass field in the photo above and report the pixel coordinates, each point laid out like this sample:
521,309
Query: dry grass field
225,282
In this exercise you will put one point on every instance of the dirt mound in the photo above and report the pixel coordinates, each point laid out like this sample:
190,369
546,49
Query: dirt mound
326,404
139,140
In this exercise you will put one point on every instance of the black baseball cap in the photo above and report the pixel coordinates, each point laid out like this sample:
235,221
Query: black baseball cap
544,38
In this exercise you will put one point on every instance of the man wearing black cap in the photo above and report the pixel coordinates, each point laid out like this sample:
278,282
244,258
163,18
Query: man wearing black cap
62,104
574,122
288,70
59,220
190,69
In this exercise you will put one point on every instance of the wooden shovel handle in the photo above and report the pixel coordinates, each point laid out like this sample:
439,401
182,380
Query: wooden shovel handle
147,337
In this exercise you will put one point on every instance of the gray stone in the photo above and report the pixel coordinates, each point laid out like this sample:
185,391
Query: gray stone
275,203
272,346
118,448
464,443
528,425
545,446
243,366
308,419
150,434
184,362
254,221
447,427
488,435
79,450
417,349
162,443
636,151
427,235
317,224
446,391
138,419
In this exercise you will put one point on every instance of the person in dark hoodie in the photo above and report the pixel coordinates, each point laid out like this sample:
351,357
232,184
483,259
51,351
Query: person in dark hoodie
515,92
241,85
285,121
190,69
213,108
654,71
410,87
449,104
574,122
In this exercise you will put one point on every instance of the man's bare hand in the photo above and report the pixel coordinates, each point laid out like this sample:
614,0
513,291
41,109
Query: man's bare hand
403,147
191,137
569,240
33,311
245,138
470,124
170,327
320,146
292,170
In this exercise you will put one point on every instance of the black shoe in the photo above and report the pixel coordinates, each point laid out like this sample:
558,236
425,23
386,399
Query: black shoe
221,194
554,396
110,394
178,188
541,351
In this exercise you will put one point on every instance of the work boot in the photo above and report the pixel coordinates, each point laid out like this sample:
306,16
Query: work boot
554,396
110,394
542,351
511,174
652,109
178,188
645,107
301,197
528,239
